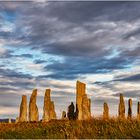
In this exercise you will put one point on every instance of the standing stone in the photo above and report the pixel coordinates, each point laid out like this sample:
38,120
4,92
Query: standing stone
106,112
17,120
82,102
138,111
71,113
52,111
9,120
86,107
23,109
76,112
121,107
130,109
48,109
64,115
33,109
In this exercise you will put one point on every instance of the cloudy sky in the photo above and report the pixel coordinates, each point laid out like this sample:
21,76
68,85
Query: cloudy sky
54,44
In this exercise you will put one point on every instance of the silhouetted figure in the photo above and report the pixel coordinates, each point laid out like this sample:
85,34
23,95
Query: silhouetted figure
138,111
129,108
71,114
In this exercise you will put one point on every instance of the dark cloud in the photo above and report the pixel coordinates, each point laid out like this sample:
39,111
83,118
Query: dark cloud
132,53
26,55
132,34
10,54
72,67
39,61
12,73
16,83
47,28
133,78
6,54
102,10
55,32
9,99
129,94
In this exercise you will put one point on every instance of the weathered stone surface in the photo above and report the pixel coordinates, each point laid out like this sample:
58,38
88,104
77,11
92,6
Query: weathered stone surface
71,113
121,107
106,112
86,107
9,120
64,116
33,109
129,108
48,109
82,102
17,120
52,111
23,109
138,111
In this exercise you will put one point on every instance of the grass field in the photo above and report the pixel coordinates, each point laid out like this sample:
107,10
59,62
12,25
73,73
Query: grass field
63,129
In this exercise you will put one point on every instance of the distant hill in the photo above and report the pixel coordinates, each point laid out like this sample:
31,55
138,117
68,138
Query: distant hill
7,120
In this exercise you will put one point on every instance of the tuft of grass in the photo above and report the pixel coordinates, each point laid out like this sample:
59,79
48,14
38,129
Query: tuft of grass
64,129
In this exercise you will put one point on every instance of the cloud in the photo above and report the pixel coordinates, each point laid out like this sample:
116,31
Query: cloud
12,73
133,33
38,61
2,51
133,78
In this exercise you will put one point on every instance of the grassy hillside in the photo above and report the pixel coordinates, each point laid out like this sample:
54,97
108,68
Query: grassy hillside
94,128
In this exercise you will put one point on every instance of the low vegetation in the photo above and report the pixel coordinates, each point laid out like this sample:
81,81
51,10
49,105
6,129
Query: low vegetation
63,129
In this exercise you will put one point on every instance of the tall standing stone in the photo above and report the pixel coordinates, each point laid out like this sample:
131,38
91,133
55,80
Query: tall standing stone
129,108
82,102
48,109
121,107
33,109
23,109
106,112
138,111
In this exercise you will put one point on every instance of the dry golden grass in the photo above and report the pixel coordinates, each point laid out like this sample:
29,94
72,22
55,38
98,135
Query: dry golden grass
63,129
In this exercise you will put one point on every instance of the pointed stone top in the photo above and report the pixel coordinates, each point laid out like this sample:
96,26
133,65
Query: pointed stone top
121,96
34,90
130,101
24,96
105,103
138,103
47,92
48,89
34,93
78,82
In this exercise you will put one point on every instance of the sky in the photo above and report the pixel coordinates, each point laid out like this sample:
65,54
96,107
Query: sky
54,44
